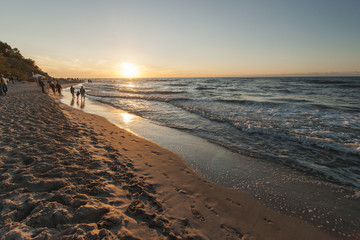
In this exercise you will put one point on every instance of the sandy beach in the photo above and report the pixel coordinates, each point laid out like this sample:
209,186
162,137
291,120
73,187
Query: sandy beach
66,174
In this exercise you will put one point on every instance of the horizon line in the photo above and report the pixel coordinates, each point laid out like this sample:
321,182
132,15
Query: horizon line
354,74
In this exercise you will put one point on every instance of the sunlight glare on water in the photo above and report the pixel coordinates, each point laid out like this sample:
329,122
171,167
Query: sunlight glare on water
127,118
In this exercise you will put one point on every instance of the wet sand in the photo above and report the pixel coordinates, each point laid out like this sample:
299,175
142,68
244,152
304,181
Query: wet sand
67,174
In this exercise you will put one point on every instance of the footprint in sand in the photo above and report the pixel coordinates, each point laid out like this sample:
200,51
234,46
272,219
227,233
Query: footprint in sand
130,165
196,213
180,191
29,160
111,155
236,203
117,203
94,140
231,232
211,209
268,220
156,153
110,148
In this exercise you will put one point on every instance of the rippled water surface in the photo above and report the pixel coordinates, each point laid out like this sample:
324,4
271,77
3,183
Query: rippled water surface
311,124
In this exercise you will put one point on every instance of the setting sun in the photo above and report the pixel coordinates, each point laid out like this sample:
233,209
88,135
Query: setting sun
128,70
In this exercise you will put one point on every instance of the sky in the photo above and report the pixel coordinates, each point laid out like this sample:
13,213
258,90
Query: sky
185,38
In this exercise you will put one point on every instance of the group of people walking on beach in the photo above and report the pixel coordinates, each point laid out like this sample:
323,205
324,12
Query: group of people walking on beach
54,87
80,92
57,88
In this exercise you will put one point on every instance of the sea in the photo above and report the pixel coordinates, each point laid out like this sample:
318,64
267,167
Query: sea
306,124
311,124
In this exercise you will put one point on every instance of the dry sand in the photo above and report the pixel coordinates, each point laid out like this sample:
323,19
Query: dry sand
66,174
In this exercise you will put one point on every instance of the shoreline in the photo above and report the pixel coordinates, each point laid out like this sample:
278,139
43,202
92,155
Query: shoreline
67,173
291,192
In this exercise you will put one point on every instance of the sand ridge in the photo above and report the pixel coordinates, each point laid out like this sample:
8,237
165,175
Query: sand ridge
66,174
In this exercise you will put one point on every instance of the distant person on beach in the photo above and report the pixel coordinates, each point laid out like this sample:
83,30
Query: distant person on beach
52,86
12,79
82,92
77,94
3,85
72,90
42,85
1,89
58,87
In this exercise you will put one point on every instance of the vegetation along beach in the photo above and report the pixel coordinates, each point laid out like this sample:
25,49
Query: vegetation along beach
179,120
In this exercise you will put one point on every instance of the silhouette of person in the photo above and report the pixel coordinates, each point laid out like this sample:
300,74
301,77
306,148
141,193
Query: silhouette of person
58,86
52,86
42,85
72,90
82,92
3,85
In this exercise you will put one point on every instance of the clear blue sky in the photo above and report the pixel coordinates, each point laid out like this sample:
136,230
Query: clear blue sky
164,38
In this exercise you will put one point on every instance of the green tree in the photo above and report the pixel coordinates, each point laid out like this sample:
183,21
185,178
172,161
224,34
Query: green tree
5,49
12,61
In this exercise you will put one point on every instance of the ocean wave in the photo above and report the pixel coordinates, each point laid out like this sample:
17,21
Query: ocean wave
137,91
205,88
251,102
334,81
146,97
295,121
237,101
291,100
